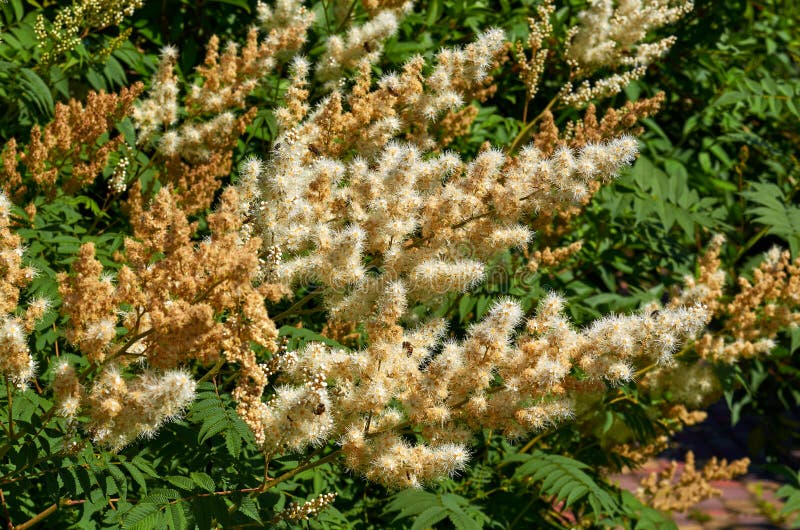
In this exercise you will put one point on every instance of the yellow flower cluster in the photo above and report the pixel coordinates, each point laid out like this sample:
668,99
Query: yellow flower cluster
72,23
676,489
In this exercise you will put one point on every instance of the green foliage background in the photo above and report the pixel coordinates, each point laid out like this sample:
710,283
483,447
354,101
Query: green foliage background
720,157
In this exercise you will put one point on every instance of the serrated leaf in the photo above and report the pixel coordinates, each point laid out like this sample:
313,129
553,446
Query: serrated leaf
412,502
140,515
161,496
177,517
211,428
203,480
184,483
575,494
136,475
240,426
456,514
248,507
233,443
429,517
37,91
119,479
144,466
462,521
205,406
563,477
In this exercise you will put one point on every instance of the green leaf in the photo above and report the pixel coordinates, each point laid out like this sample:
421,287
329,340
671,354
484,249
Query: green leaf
128,130
242,4
144,466
729,98
430,509
792,503
119,479
37,91
183,483
248,507
161,496
211,428
465,306
564,478
233,443
96,80
203,480
177,517
412,502
646,518
429,517
143,515
460,519
136,475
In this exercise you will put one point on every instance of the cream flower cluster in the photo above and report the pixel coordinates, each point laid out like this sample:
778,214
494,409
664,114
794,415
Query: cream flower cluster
396,225
446,390
160,110
404,212
121,409
16,362
226,79
363,42
358,202
303,512
612,35
413,216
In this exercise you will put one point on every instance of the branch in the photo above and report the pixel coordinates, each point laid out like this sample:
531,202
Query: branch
526,131
456,226
47,512
9,524
208,290
299,469
299,303
214,370
10,429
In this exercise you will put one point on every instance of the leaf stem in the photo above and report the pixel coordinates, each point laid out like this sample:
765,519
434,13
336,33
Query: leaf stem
532,442
47,512
526,131
10,411
299,469
214,370
346,18
296,305
5,510
521,513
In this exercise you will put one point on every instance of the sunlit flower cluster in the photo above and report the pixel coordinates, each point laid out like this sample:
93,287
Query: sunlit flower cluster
16,362
358,203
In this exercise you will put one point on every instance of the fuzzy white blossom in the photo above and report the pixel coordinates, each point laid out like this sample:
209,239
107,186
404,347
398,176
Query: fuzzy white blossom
611,35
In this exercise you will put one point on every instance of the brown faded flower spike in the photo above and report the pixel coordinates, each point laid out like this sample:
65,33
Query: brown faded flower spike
65,153
173,301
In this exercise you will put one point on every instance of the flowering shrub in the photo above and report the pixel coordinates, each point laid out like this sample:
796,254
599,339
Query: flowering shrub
253,289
